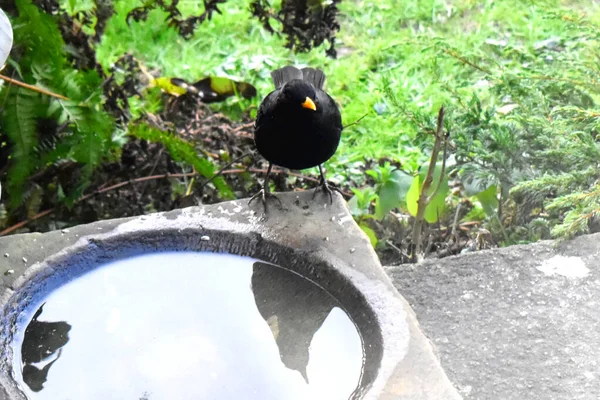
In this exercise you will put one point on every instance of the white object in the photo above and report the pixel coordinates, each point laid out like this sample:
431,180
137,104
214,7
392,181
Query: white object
571,267
6,37
6,42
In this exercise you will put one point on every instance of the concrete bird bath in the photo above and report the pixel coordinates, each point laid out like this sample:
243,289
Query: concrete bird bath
212,301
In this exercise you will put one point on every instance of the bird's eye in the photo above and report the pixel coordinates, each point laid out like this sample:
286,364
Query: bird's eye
309,103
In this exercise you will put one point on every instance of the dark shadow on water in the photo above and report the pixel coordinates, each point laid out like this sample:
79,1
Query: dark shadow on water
294,308
204,339
42,341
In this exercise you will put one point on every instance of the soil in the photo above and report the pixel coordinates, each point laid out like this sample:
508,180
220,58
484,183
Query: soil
146,179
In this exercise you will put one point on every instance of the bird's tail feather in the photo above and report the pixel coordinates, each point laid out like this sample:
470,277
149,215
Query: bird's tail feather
282,75
314,76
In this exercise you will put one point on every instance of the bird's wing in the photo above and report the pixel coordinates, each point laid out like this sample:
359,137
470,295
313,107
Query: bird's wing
314,76
265,108
332,117
285,74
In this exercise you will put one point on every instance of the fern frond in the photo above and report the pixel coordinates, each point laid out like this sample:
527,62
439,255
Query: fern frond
182,151
558,185
39,33
87,139
580,209
19,121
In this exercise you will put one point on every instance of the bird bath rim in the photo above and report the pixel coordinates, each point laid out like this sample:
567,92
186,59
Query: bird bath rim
363,298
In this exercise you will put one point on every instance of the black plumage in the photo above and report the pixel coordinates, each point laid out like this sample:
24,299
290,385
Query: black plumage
298,125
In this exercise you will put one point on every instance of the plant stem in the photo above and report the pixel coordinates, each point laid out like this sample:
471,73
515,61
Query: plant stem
31,87
424,200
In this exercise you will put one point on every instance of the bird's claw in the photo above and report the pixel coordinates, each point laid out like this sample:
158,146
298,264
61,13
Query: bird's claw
327,189
264,197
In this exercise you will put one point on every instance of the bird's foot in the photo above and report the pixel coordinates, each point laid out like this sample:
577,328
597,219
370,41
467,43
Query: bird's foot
264,197
326,189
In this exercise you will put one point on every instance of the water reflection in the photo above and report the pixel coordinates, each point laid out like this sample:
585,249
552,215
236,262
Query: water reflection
294,317
42,343
188,326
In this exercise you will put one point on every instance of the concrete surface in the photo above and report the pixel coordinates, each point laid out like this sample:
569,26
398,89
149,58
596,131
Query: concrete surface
516,323
318,240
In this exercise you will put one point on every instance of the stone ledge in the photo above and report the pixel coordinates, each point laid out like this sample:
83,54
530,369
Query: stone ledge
411,370
521,322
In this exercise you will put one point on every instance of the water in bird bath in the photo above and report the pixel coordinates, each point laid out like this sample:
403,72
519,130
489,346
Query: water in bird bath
188,325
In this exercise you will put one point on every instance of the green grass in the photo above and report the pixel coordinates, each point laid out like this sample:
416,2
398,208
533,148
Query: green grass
400,44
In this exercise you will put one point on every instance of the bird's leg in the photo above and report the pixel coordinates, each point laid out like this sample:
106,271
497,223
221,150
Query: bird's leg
265,192
325,187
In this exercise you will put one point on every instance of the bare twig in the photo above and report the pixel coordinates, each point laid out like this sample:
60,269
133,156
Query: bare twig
455,223
243,127
403,254
442,172
31,87
462,59
424,199
225,168
144,187
355,122
393,246
23,223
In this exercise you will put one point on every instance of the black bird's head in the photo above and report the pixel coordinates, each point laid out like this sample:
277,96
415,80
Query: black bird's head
301,93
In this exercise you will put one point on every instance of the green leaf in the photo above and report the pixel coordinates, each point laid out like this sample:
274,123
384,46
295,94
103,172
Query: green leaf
489,200
72,4
412,196
173,86
392,193
476,214
60,193
362,200
221,85
372,173
437,205
216,88
473,186
370,233
353,206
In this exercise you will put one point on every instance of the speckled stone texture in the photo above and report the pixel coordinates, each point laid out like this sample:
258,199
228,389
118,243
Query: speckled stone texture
516,323
302,229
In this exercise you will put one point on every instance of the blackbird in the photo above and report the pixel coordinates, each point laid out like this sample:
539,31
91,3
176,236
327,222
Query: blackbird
298,125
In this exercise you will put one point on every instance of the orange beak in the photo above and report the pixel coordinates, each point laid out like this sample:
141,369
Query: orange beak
308,103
